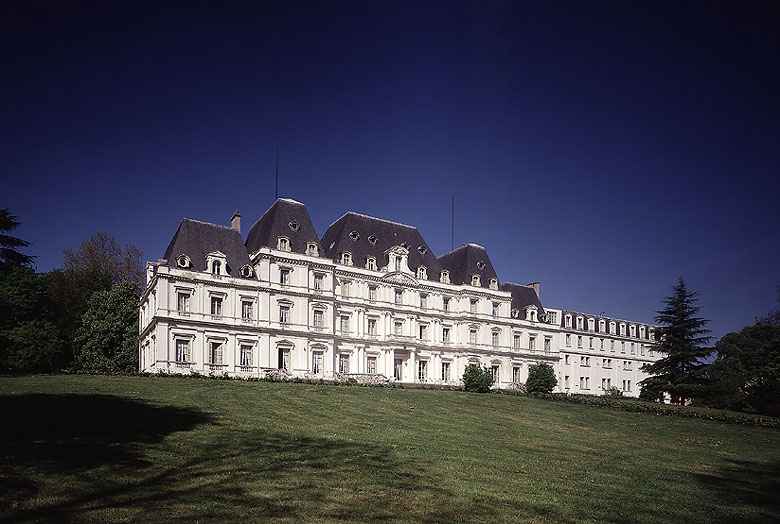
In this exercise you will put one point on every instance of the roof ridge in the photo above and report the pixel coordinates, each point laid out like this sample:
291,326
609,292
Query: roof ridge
208,223
372,218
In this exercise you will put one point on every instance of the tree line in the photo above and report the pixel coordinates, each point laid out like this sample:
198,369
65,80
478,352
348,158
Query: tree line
81,316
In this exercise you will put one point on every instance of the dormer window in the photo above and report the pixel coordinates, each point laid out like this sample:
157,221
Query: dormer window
216,267
568,321
405,245
246,271
476,281
371,263
481,265
183,261
372,240
422,249
354,235
294,225
346,259
591,325
493,283
444,277
216,263
283,244
422,273
515,313
530,313
579,323
311,249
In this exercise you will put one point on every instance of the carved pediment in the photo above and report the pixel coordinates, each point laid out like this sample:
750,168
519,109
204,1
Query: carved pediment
399,278
398,250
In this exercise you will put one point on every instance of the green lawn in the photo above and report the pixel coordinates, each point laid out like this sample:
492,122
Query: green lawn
139,449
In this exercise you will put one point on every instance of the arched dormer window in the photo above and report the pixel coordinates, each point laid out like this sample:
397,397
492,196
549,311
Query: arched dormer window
283,244
530,313
216,267
216,263
493,283
371,263
246,271
422,273
346,258
444,277
183,261
311,249
476,281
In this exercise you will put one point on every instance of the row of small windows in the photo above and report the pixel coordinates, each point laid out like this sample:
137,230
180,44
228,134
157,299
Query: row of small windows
601,346
606,363
643,332
606,383
215,265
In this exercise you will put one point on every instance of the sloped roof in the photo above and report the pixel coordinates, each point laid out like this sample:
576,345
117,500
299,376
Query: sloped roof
196,239
365,236
280,221
468,260
523,296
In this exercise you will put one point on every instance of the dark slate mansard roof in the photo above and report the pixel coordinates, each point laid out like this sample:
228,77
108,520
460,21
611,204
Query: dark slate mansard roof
280,221
374,236
464,262
523,296
197,239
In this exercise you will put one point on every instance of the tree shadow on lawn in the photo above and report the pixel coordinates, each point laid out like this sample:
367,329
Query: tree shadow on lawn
741,483
70,458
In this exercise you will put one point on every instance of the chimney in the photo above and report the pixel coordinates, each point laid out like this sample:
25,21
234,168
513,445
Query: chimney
535,285
235,221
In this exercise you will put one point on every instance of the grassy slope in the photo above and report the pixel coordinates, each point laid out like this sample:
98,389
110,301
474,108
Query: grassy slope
82,449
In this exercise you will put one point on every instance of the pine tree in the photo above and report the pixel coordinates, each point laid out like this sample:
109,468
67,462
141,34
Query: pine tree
9,246
682,338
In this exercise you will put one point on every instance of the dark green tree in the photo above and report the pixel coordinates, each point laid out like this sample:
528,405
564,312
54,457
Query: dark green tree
9,245
682,338
477,379
108,336
541,378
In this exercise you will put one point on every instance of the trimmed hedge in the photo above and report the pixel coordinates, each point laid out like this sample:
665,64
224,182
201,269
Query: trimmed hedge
652,408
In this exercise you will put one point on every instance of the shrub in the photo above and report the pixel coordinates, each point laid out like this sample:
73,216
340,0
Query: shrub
541,378
477,379
613,392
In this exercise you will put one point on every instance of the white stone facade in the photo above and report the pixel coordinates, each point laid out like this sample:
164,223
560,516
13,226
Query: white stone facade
308,316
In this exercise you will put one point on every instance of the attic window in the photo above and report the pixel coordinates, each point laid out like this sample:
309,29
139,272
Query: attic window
423,250
372,239
371,263
405,245
216,267
515,313
444,277
246,271
493,283
422,272
183,261
481,265
475,281
311,249
354,235
294,225
283,244
346,259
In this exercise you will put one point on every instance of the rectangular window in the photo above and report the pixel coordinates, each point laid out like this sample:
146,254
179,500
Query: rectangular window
494,338
445,334
398,327
343,363
345,289
246,310
516,370
216,306
318,282
182,350
446,304
422,370
246,355
547,344
399,296
494,371
612,346
472,336
284,276
372,293
215,353
371,326
531,342
398,367
183,302
627,365
344,323
495,309
423,301
568,321
371,365
473,306
423,331
284,359
284,314
601,344
566,359
445,371
566,381
316,362
516,341
622,347
568,340
590,342
579,341
318,318
633,348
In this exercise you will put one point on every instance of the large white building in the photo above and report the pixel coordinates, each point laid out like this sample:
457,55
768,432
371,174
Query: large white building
368,301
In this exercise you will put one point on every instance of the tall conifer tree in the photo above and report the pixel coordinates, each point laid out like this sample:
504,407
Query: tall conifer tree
682,338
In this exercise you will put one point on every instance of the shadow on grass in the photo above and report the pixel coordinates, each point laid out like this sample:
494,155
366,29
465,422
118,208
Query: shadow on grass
741,483
72,458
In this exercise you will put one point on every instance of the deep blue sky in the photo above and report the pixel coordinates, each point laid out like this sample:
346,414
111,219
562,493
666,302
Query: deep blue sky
604,149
